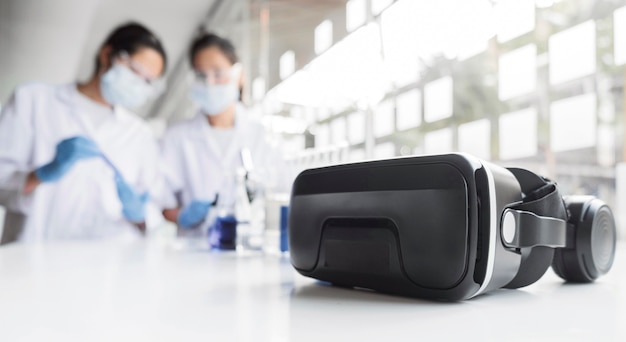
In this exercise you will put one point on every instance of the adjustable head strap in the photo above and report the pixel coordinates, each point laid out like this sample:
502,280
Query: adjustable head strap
539,223
540,219
541,196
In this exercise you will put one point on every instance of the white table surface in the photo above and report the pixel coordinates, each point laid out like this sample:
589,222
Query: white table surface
148,291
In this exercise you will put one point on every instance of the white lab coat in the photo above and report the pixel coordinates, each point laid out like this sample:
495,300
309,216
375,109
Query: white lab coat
84,202
197,169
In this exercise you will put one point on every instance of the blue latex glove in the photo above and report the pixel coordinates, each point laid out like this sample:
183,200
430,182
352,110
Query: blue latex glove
193,214
68,152
133,204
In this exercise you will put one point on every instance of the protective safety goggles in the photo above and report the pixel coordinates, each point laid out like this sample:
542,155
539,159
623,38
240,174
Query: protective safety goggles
157,84
447,227
218,76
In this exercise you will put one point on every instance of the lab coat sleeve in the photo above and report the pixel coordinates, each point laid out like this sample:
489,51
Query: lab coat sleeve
16,144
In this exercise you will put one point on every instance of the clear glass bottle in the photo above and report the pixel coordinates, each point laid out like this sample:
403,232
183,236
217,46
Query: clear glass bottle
243,211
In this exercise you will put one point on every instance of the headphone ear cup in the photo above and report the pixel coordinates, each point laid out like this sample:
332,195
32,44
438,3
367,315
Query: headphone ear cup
535,263
566,264
593,248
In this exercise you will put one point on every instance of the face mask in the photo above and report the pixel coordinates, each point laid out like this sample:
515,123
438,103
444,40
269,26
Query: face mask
121,86
215,98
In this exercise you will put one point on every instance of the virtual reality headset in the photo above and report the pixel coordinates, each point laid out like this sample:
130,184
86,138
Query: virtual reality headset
445,227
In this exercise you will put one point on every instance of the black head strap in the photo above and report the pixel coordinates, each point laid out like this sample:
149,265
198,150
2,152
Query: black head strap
540,195
537,231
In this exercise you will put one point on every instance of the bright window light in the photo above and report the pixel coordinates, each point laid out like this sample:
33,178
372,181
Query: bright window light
294,144
401,50
322,136
339,79
619,35
518,134
287,64
297,90
573,53
514,18
323,113
356,128
415,32
606,145
336,79
380,5
323,36
517,72
338,130
284,124
309,115
357,155
439,141
475,138
356,14
475,25
385,150
438,99
408,110
383,119
573,123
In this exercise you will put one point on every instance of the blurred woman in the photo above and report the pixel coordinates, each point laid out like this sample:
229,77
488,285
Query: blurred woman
202,155
76,161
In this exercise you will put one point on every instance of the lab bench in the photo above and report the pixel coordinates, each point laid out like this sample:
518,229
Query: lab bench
158,291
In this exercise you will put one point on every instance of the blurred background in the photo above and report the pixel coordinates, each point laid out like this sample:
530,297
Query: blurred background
530,83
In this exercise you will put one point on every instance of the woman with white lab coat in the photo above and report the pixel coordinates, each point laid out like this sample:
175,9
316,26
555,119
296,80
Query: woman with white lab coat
202,155
74,160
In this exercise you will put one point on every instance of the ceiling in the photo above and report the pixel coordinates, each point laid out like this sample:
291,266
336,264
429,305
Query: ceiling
56,41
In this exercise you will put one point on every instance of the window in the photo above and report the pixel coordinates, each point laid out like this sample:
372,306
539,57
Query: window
619,35
356,128
514,18
383,119
475,138
356,14
573,53
338,130
323,113
518,134
322,136
380,5
401,50
517,72
385,150
357,155
573,123
439,141
408,110
323,36
438,99
287,64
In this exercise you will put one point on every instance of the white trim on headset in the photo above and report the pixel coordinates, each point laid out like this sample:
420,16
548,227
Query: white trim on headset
493,233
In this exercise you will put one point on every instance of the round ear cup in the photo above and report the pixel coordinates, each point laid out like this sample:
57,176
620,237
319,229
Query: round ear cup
535,263
594,235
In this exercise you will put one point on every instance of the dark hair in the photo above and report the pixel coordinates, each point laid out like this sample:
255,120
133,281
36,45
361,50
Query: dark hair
207,40
131,37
